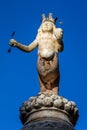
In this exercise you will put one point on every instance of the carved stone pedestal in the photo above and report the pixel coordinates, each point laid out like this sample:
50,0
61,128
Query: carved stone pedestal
48,125
47,111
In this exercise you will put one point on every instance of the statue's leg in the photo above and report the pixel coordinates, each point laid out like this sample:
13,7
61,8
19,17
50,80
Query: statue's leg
55,86
42,86
55,90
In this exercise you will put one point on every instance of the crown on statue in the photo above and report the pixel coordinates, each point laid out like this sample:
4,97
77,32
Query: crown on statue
49,18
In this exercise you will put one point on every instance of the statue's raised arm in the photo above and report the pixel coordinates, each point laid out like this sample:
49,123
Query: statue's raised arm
49,42
22,47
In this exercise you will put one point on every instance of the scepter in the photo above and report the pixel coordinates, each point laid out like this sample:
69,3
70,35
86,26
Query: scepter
12,35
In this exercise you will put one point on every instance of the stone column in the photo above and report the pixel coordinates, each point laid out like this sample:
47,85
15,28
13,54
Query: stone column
47,111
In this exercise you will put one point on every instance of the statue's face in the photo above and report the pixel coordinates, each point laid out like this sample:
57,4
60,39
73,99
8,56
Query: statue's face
47,26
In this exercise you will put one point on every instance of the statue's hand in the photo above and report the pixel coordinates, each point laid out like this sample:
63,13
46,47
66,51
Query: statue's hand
13,42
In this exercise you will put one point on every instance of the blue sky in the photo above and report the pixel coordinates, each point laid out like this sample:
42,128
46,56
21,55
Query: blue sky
18,74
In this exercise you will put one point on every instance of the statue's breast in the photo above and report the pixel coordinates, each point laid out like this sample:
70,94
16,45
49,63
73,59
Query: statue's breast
46,53
46,48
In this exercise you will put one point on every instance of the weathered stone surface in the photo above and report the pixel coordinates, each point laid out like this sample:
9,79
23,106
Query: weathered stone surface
47,111
49,125
49,43
44,103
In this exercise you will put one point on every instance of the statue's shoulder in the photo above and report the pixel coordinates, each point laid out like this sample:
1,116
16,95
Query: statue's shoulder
58,32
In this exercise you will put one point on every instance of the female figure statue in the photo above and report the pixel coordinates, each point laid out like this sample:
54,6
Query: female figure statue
49,43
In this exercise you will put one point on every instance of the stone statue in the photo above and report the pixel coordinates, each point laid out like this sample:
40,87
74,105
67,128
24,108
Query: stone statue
49,43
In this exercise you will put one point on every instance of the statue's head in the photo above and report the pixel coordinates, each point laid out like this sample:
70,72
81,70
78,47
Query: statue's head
48,23
47,26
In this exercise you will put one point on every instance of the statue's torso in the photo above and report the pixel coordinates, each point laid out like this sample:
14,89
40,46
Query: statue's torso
46,46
